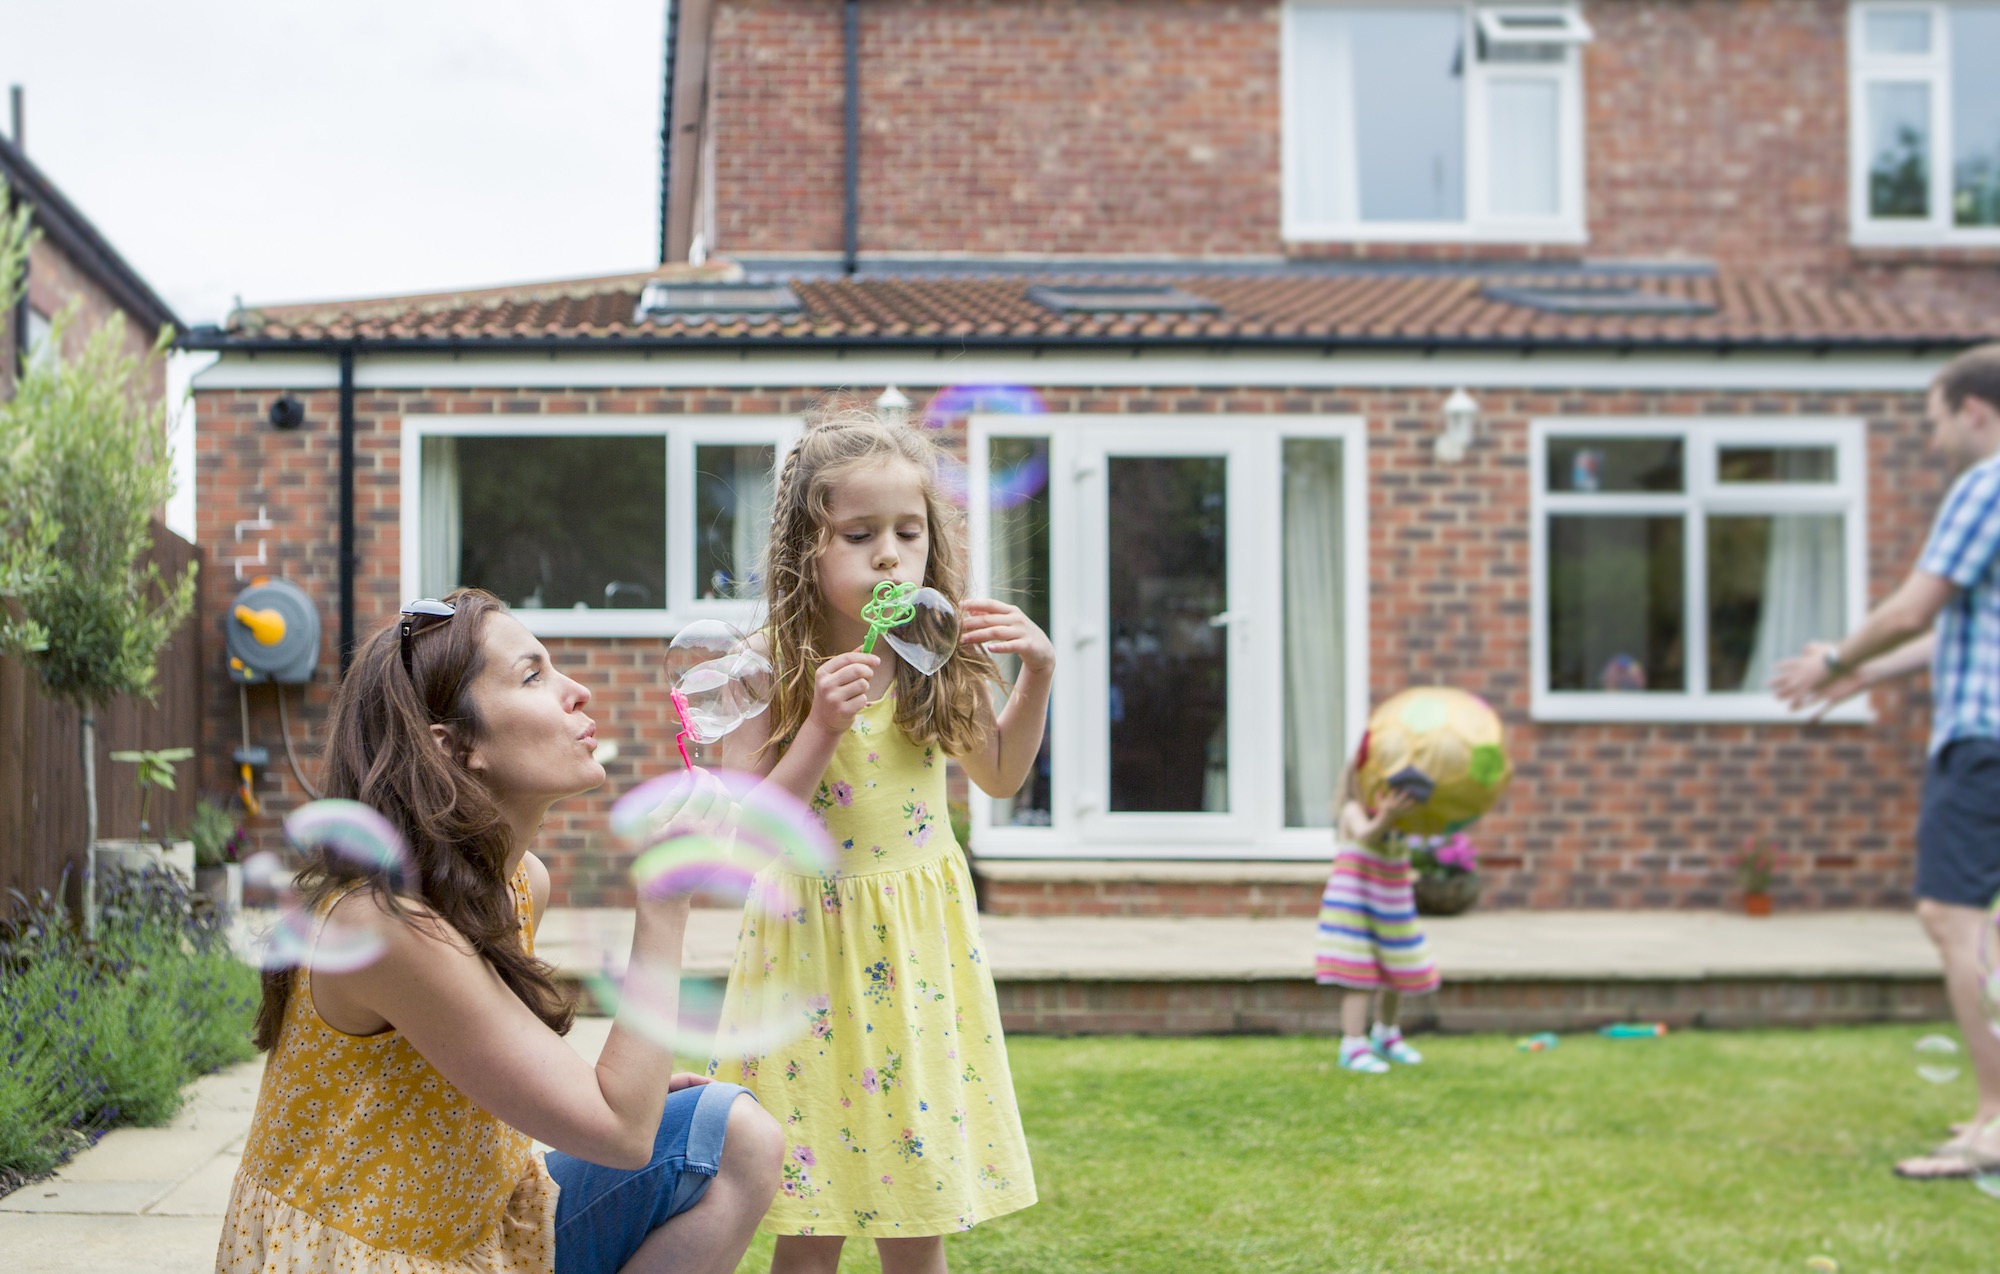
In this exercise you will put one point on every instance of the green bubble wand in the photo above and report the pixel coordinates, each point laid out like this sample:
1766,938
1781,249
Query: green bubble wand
890,607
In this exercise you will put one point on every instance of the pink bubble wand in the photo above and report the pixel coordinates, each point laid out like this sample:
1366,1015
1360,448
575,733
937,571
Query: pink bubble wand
680,740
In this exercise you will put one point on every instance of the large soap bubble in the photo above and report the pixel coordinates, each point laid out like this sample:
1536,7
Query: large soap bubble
724,837
349,838
920,625
719,680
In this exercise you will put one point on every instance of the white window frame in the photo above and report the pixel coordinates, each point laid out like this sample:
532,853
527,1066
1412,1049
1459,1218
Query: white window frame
1480,224
1932,69
1256,573
682,434
1703,495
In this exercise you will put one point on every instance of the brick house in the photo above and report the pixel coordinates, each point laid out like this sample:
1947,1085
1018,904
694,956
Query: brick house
71,263
1186,287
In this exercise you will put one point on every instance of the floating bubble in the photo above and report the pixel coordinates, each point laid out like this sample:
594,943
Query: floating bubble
729,838
1823,1263
348,839
955,402
1019,482
1937,1059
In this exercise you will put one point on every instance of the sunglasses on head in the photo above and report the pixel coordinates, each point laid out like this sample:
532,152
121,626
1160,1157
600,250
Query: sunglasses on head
419,615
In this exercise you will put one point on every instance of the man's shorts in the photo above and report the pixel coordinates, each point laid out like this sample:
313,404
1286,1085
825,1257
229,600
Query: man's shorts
1958,833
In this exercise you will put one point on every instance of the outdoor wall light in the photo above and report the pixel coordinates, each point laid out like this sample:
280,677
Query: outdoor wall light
287,413
894,407
1461,422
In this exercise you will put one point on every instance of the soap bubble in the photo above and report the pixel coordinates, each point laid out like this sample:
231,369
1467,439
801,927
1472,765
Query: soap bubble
920,625
1937,1059
956,402
347,839
725,837
1825,1264
1986,1160
719,679
1020,482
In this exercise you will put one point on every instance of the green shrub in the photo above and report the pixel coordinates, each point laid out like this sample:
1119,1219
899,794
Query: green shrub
97,1034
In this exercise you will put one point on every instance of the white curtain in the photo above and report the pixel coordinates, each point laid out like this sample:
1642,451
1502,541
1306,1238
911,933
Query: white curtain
439,528
1314,685
1803,592
1521,147
754,487
1322,139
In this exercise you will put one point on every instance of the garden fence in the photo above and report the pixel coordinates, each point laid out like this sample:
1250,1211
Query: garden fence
41,769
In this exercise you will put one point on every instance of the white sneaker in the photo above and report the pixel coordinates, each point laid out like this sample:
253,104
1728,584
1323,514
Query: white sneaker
1360,1057
1392,1047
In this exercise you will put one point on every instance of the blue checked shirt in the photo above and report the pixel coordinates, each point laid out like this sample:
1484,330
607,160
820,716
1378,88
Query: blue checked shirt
1965,548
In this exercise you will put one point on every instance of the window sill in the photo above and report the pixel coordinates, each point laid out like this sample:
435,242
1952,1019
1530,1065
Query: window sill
1931,247
1681,709
629,623
1566,235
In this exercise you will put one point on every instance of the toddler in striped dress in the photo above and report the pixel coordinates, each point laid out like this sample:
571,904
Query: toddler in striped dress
1369,941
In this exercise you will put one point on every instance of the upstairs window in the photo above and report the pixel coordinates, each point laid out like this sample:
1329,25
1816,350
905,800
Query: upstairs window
1433,122
1925,145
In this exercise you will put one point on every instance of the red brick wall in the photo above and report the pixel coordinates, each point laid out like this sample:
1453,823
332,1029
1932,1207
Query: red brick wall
1600,815
1714,129
54,282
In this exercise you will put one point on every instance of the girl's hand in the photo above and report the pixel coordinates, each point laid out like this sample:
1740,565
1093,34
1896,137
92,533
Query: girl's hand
1004,630
1395,803
841,691
686,1079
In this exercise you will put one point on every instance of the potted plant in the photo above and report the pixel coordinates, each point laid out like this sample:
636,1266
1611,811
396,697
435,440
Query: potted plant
218,851
1754,868
1447,873
155,773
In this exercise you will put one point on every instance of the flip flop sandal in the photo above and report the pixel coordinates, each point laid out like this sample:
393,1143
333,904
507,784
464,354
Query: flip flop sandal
1952,1163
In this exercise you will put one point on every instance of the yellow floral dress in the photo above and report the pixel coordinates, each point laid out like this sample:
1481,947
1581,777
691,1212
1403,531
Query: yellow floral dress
892,1081
362,1159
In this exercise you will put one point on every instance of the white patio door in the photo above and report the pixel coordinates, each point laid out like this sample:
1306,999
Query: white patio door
1167,560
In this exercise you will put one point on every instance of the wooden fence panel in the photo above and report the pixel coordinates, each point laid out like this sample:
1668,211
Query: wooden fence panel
42,825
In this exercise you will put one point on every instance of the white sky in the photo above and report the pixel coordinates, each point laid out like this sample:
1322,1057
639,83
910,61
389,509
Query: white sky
279,151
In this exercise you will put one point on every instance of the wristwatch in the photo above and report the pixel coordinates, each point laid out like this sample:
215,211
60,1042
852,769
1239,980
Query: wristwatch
1835,668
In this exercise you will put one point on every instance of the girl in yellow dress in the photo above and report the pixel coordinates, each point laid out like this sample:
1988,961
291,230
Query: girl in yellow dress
894,1090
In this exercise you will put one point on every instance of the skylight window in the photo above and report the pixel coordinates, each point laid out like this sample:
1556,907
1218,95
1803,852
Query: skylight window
1600,299
1120,300
659,302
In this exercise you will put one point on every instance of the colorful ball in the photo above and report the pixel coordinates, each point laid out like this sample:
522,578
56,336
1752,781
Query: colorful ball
1436,736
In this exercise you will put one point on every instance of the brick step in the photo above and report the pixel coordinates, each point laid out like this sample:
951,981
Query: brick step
1503,971
1085,887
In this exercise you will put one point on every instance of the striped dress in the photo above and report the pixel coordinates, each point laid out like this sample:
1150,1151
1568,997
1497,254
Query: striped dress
1368,935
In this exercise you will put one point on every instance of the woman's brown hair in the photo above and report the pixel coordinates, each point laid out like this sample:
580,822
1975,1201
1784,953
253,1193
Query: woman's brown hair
380,752
945,708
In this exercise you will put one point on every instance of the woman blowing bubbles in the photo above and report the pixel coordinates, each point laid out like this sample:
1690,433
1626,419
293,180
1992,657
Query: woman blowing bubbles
394,1127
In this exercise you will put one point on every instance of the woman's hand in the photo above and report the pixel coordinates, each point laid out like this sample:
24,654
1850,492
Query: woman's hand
1004,630
699,806
686,1079
841,690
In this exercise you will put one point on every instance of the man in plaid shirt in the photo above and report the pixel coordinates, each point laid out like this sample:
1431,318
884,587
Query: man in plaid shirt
1946,616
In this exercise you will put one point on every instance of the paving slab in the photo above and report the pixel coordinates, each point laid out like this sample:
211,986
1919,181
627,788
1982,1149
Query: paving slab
55,1244
204,1192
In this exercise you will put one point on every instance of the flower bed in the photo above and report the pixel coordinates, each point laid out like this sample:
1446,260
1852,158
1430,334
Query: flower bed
98,1034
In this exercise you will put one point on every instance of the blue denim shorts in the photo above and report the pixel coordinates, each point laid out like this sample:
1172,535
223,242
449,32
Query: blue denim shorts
1958,832
604,1214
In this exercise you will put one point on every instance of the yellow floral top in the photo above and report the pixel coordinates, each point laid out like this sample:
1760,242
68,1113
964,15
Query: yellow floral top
363,1158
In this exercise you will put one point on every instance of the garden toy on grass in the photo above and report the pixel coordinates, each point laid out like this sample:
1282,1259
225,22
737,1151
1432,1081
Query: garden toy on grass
1633,1030
1445,748
719,682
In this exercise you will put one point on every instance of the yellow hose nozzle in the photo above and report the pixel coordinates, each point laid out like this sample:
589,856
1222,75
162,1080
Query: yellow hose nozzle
267,626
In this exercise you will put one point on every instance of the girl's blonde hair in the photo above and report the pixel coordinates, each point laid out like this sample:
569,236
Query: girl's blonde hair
942,709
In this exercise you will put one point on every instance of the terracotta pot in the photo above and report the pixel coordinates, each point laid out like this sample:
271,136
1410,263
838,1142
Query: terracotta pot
1446,895
1756,904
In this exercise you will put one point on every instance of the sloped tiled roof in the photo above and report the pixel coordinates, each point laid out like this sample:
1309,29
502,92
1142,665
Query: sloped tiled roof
1472,308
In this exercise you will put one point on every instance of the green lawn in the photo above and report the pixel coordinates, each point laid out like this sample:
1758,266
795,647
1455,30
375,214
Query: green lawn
1701,1151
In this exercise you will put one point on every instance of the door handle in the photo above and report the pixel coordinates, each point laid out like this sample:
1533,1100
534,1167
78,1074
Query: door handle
1226,618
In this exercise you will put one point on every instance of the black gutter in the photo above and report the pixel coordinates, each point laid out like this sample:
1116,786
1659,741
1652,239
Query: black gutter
349,559
667,125
70,231
213,340
850,215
